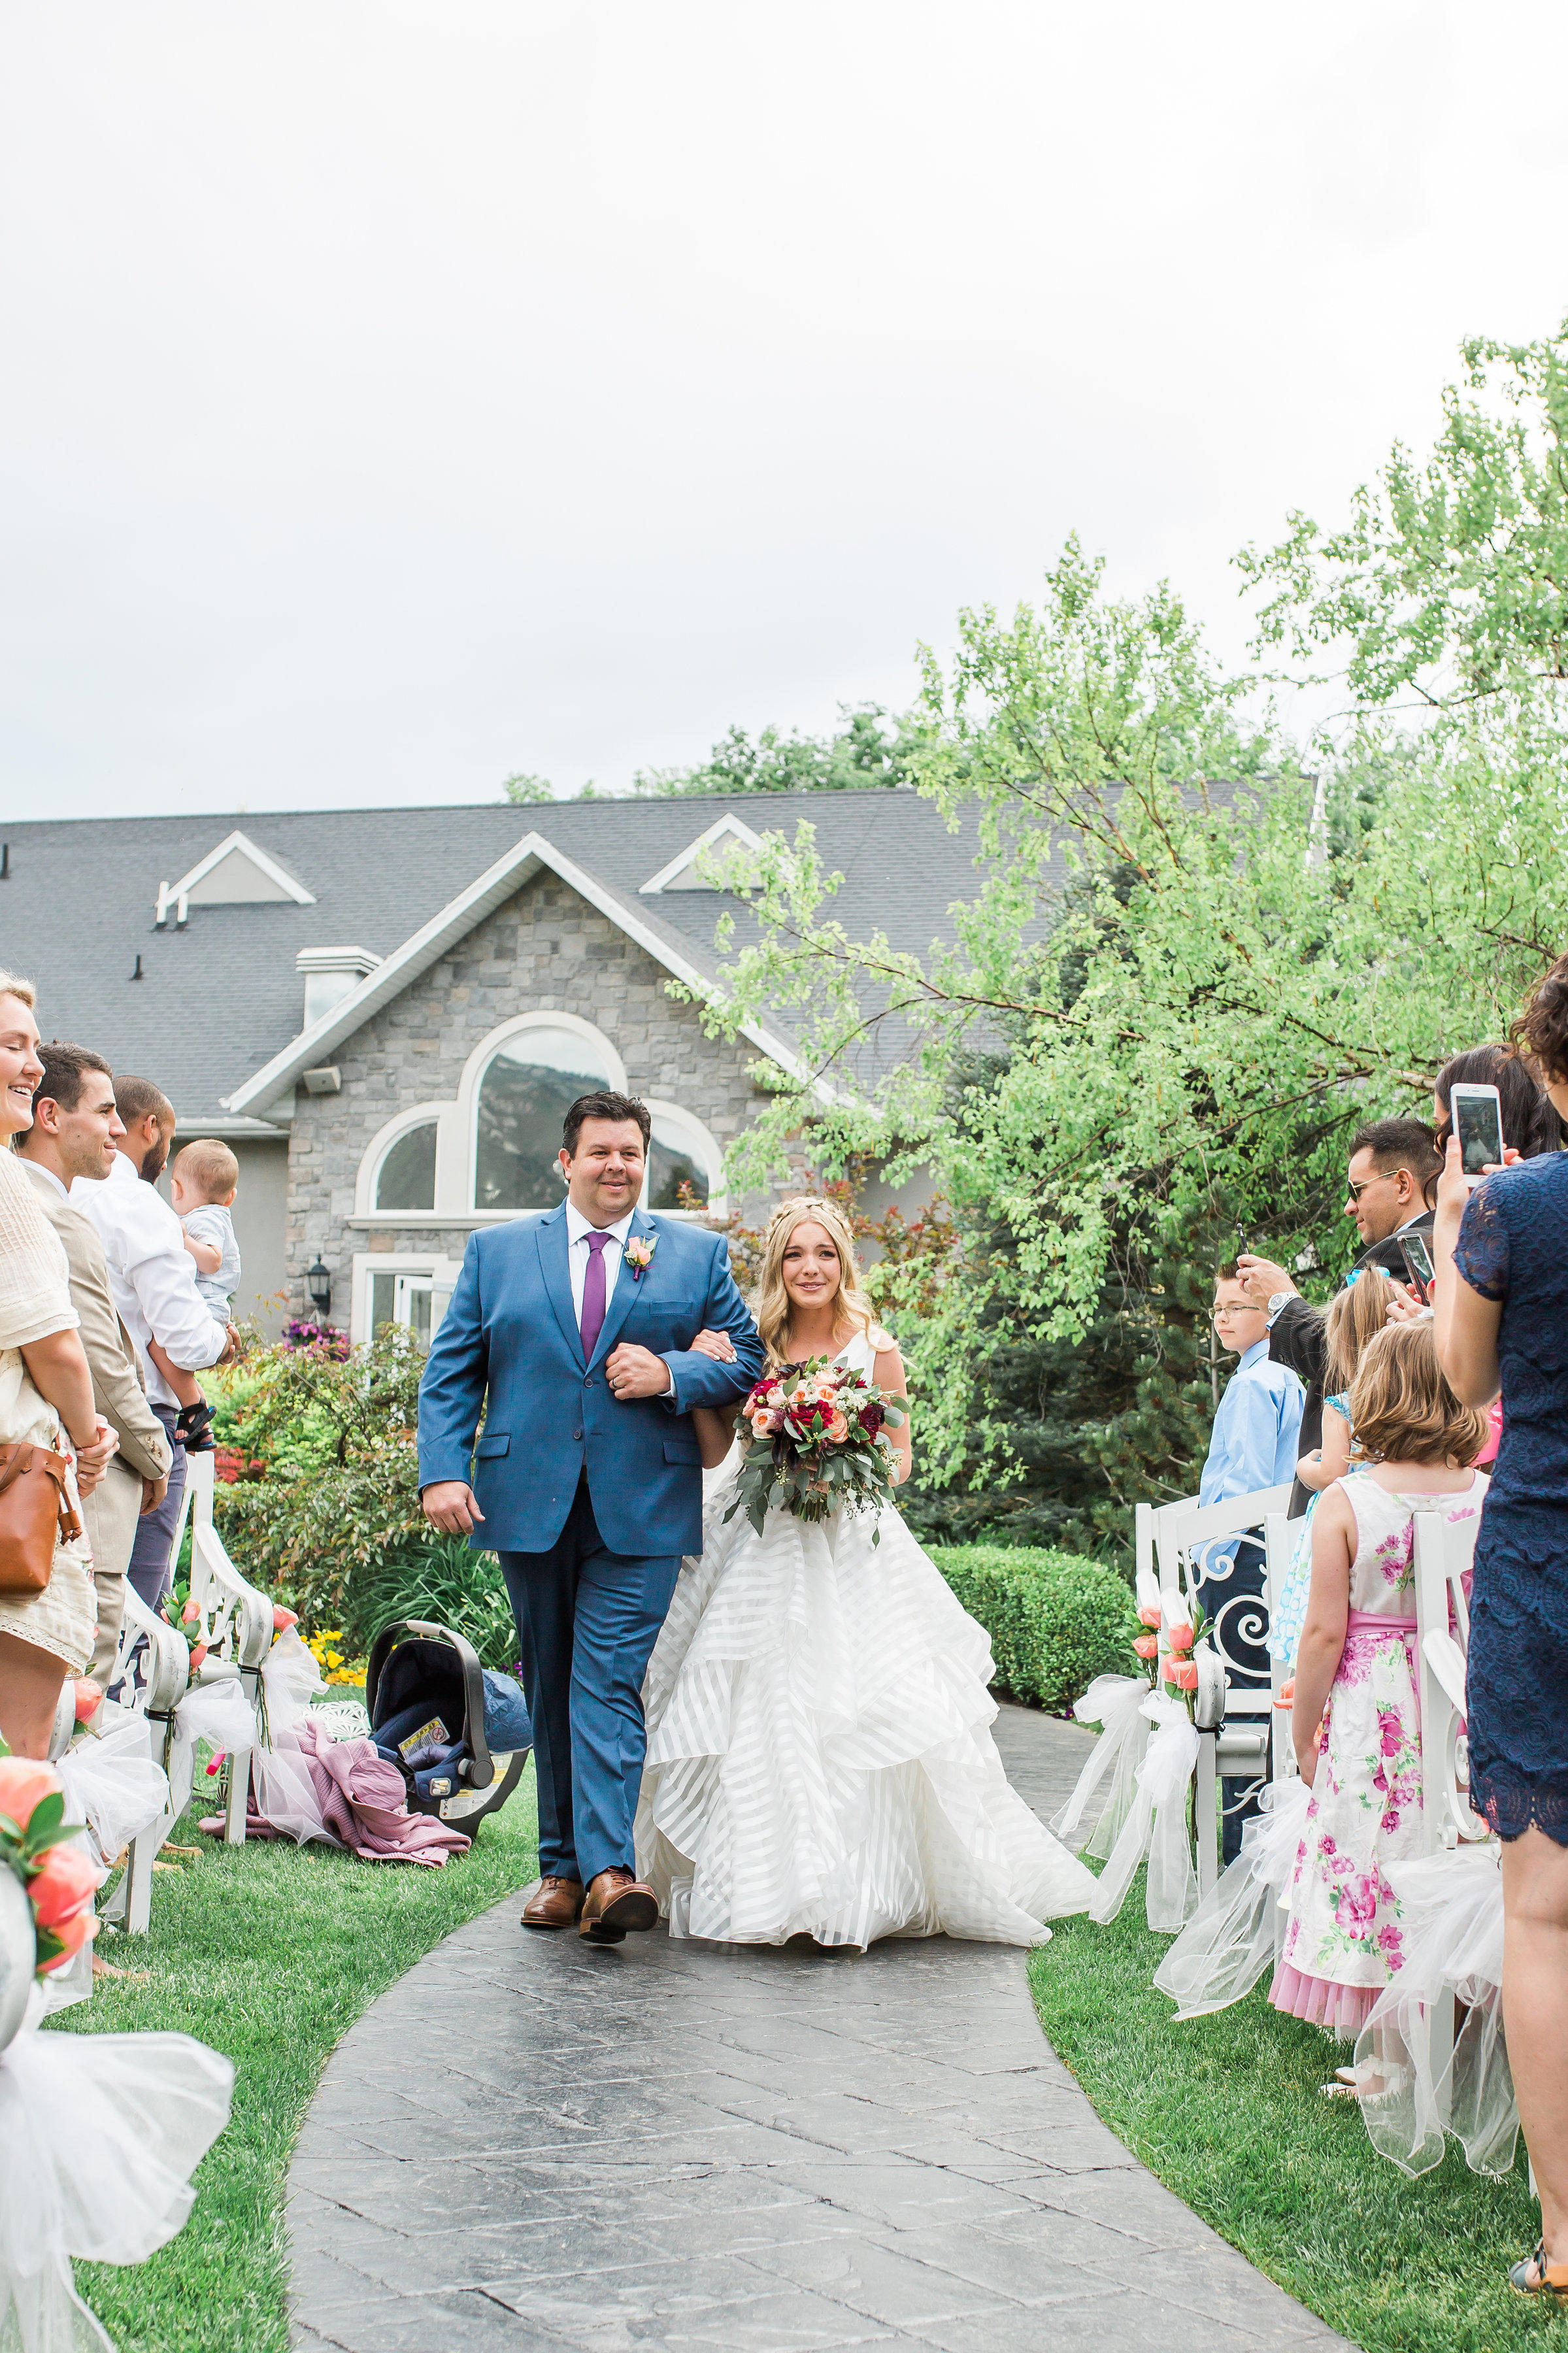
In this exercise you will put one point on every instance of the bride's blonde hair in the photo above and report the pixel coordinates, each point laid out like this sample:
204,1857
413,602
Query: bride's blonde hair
851,1305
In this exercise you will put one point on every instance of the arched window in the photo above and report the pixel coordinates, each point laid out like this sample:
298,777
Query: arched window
525,1091
684,1165
407,1178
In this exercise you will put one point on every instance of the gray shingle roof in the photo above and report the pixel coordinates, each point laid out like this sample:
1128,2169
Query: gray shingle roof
220,998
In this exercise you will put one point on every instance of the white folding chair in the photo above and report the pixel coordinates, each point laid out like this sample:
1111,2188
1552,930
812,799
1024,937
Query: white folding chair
153,1666
1439,1567
1238,1746
235,1621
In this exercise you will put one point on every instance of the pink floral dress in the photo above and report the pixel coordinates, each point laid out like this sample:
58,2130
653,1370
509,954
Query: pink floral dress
1343,1942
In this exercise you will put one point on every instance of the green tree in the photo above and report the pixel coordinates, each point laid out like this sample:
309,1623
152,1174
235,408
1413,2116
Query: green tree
1448,584
527,790
858,756
1186,970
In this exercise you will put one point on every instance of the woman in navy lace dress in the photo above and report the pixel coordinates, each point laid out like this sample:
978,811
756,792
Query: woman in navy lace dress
1502,1321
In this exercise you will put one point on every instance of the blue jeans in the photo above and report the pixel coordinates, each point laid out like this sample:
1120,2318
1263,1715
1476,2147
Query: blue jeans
150,1570
588,1620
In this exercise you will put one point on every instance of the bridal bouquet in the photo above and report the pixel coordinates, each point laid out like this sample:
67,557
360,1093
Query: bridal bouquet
817,1442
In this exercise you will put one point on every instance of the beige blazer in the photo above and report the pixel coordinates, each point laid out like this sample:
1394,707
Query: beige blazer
118,1389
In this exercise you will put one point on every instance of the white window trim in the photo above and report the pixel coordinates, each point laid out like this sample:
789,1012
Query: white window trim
442,1271
465,1113
425,1115
708,1149
728,827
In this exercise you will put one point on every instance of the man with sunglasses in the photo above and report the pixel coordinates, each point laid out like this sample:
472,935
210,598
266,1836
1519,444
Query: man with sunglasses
1391,1162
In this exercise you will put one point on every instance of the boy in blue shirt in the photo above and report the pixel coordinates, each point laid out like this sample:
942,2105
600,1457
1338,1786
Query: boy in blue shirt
1255,1442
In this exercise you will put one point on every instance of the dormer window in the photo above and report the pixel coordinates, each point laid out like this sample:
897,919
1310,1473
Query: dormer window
331,974
681,873
237,873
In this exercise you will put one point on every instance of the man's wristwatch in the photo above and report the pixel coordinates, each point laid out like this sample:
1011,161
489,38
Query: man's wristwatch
1276,1303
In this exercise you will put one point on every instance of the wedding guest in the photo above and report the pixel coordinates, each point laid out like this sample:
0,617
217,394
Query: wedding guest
1253,1445
1356,1316
46,1399
1532,1122
75,1131
1392,1162
1355,1722
1501,1302
203,1178
154,1279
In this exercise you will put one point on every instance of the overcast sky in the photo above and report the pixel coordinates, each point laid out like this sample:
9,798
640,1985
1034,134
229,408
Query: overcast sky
393,396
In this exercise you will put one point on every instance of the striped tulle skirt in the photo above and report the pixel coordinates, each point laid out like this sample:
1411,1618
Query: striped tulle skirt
820,1760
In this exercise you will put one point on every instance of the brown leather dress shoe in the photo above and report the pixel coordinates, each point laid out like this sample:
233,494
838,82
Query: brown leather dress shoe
615,1903
554,1904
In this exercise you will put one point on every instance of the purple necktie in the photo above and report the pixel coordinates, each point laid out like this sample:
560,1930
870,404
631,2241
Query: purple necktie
593,1296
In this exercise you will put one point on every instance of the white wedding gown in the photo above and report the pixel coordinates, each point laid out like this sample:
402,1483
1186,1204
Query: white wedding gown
819,1753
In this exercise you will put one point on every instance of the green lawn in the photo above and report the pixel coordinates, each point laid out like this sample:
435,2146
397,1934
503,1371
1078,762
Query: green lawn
1225,2110
268,1952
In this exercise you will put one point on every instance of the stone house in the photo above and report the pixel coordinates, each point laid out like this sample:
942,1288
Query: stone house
385,1012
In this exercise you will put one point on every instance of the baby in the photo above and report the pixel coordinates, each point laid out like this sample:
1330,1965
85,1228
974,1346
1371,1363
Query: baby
203,1181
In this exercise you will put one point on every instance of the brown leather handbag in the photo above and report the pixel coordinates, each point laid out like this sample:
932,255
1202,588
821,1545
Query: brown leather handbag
34,1512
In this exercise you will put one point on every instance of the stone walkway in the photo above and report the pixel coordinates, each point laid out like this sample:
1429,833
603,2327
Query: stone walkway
530,2143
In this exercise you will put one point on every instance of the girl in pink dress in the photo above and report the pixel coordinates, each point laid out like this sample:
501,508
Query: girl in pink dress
1355,1721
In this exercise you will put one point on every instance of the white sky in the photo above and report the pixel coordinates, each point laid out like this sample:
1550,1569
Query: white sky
395,396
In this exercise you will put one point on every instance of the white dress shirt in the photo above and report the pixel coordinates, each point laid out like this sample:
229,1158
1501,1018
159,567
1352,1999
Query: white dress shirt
152,1274
577,1254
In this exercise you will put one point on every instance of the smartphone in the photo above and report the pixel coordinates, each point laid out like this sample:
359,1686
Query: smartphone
1476,1113
1418,1266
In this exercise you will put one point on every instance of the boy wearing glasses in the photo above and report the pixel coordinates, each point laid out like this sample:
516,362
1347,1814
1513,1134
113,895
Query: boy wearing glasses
1255,1442
1392,1163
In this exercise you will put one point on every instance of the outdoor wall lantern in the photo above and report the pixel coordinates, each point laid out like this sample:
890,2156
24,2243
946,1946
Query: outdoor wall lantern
319,1283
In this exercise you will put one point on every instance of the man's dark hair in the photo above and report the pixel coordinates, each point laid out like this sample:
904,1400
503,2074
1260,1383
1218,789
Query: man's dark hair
64,1072
134,1097
1397,1143
605,1106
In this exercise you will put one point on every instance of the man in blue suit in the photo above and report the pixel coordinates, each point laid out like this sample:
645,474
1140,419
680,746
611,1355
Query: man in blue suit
574,1332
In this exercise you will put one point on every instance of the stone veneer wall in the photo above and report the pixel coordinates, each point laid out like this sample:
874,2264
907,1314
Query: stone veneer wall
546,950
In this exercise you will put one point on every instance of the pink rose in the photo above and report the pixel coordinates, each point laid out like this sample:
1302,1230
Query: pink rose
189,1614
1148,1613
838,1429
198,1654
73,1935
62,1886
89,1699
283,1618
22,1784
1180,1636
1147,1646
1183,1674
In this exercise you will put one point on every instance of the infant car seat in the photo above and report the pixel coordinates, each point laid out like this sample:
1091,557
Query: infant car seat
458,1732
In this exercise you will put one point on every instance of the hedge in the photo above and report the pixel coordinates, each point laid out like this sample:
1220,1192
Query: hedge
1056,1619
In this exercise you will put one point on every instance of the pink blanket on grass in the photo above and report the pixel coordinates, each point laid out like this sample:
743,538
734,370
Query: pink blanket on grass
308,1786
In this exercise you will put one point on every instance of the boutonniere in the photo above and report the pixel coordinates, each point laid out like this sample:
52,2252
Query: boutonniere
638,1253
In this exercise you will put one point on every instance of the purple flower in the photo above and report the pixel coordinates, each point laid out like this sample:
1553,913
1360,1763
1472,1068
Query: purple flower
1392,1731
1389,1945
1390,1818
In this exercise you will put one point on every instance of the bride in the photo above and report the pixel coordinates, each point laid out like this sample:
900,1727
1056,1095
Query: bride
819,1752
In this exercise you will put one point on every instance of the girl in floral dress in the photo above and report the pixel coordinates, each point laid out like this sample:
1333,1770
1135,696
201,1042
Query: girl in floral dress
1358,1314
1355,1722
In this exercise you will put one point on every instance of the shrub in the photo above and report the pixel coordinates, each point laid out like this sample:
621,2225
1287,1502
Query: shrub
1056,1621
441,1580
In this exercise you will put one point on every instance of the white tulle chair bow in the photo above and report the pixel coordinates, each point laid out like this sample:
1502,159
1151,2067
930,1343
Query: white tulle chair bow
1116,1703
1156,1824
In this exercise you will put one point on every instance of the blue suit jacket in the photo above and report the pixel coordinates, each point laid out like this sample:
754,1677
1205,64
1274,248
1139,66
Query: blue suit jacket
511,1331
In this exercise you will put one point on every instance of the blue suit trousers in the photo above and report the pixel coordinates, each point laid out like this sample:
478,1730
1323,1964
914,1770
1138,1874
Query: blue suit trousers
588,1620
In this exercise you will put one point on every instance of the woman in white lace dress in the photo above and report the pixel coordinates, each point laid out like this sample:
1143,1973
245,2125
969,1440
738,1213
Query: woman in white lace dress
45,1387
819,1754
